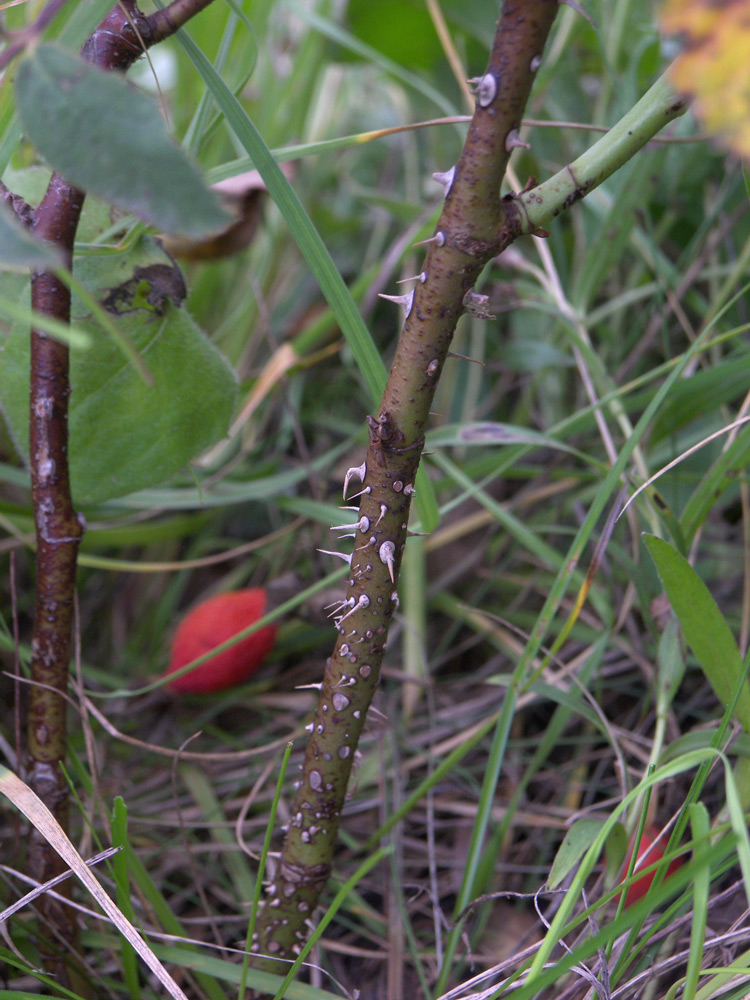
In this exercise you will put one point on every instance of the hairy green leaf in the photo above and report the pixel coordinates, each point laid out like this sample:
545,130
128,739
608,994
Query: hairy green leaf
127,434
106,137
18,248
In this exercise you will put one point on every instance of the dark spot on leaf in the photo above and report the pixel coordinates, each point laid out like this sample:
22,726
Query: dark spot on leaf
151,288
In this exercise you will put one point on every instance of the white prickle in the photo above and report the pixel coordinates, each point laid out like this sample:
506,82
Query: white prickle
438,239
387,553
339,606
445,180
363,602
338,555
407,301
344,527
514,141
486,90
360,471
367,489
363,524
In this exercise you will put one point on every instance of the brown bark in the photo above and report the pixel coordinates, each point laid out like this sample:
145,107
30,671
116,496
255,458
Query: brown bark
115,45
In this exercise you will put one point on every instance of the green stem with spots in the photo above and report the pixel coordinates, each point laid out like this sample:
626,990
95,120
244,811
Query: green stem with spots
471,231
474,227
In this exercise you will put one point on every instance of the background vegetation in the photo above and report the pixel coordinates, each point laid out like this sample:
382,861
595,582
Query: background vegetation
621,336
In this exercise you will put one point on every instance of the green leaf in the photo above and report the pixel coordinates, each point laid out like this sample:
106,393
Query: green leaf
300,225
128,956
703,626
106,137
576,842
125,434
19,251
615,850
700,825
415,44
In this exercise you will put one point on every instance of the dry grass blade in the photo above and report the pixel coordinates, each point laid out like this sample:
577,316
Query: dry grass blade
39,815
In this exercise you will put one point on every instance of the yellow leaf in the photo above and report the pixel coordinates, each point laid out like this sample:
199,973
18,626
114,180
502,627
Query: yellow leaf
714,66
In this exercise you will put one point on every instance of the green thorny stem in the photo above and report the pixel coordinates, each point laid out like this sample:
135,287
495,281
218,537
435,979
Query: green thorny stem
114,45
474,227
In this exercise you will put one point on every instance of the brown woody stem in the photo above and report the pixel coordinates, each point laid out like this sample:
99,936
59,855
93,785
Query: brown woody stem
58,533
115,45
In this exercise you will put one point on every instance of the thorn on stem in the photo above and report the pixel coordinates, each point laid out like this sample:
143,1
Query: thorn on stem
363,524
465,357
579,10
445,180
407,301
438,239
387,553
486,89
338,555
363,602
360,471
514,141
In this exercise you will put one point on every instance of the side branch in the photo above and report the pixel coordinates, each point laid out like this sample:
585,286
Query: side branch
17,204
536,207
166,22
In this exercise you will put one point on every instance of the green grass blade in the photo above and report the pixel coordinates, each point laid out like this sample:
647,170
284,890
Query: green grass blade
304,232
122,883
701,884
703,626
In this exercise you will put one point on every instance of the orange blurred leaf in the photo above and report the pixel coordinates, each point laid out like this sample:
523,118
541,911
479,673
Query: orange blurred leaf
714,66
